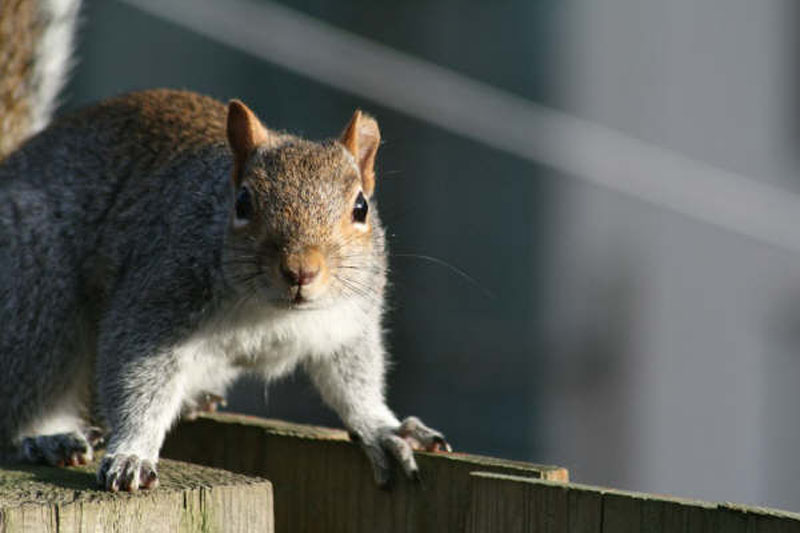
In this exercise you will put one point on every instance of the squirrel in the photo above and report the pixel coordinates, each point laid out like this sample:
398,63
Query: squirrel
157,245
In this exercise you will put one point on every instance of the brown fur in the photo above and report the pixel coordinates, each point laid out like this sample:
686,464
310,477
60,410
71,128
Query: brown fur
245,133
156,124
20,28
362,137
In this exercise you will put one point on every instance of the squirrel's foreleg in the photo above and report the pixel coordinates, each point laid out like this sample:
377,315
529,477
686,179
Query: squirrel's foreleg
141,394
351,381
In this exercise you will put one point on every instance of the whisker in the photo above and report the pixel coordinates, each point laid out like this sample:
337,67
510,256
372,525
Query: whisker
455,270
358,289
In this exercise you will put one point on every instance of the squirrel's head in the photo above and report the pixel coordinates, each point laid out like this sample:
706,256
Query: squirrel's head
303,231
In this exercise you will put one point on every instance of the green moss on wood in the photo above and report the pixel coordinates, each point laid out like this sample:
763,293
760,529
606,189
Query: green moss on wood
189,498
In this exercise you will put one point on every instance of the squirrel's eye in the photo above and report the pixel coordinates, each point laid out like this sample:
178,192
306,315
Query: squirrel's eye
244,204
360,209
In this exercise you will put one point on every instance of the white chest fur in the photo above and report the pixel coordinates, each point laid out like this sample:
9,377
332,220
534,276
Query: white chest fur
265,340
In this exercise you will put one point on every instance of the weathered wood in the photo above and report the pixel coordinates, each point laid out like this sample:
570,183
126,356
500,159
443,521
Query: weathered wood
497,504
503,503
189,498
323,482
584,510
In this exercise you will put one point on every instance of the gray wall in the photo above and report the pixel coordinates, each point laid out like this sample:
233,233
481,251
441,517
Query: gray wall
676,356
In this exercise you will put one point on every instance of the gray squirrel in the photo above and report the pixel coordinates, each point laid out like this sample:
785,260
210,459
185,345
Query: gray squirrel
155,246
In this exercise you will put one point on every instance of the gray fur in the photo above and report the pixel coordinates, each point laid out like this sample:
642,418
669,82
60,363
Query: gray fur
59,449
126,292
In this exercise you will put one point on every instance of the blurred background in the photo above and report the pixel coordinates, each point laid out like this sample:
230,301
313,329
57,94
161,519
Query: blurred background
617,181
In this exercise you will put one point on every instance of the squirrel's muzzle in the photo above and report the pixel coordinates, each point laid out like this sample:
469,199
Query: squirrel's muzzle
301,276
304,269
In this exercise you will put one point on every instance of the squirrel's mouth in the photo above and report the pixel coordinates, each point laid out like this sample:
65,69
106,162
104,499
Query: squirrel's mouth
299,299
295,304
303,305
301,292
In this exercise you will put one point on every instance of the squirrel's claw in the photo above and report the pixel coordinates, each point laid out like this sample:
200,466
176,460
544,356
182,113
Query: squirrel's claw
400,443
381,466
403,453
421,437
126,472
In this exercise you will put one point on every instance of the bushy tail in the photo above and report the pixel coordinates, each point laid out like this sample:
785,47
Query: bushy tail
36,40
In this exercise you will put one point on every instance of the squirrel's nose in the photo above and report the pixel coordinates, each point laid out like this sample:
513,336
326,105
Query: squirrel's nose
302,268
301,276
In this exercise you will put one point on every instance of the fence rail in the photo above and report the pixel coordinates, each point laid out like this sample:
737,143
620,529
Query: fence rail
321,482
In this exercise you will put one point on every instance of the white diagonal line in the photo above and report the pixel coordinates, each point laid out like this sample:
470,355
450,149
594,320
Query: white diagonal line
491,116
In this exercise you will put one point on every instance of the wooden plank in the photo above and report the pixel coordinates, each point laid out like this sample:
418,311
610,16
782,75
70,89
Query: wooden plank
677,516
323,482
522,504
548,508
189,498
496,506
757,519
621,514
584,510
638,512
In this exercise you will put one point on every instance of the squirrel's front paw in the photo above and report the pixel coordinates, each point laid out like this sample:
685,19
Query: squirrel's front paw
127,472
205,402
400,443
62,449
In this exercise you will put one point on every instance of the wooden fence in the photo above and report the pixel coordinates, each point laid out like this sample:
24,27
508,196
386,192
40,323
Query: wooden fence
321,482
189,498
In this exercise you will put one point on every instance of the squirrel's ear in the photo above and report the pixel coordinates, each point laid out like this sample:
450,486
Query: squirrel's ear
245,133
361,137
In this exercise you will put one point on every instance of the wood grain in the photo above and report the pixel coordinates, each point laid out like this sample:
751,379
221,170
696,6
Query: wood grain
323,482
503,503
189,498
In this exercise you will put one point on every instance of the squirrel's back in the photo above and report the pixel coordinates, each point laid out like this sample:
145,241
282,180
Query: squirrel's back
125,142
165,120
37,40
144,129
